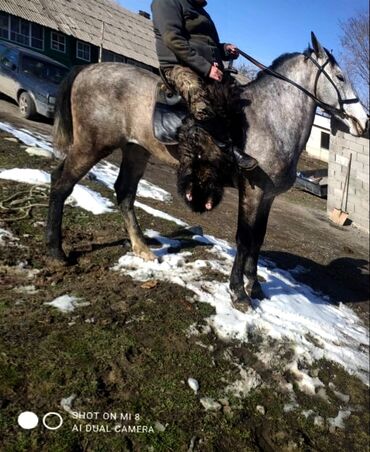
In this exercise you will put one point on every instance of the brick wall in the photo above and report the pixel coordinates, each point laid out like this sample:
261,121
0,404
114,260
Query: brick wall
341,146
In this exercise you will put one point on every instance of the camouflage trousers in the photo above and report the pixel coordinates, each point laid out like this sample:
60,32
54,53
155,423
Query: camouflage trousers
193,89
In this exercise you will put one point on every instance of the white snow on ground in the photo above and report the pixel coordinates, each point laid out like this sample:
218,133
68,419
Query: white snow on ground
25,175
67,304
339,420
293,312
103,172
81,196
159,214
107,174
26,137
7,238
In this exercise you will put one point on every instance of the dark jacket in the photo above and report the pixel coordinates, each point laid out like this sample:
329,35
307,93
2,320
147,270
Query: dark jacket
186,35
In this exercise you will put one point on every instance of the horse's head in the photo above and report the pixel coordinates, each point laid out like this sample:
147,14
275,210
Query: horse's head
334,90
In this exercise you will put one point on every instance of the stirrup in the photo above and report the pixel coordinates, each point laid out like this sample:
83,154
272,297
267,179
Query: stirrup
244,161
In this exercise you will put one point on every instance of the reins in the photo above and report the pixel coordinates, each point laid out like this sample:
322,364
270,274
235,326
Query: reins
314,97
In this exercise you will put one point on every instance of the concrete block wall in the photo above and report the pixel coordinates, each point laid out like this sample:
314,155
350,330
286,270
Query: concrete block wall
342,145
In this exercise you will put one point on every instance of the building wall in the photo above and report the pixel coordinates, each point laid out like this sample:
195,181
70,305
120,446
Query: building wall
343,144
69,57
314,146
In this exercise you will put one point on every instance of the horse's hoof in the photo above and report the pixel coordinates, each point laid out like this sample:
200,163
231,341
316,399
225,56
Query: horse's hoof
57,260
147,256
255,291
58,255
241,301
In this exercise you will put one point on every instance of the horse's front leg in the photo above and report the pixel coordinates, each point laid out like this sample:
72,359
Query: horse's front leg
249,218
134,160
254,288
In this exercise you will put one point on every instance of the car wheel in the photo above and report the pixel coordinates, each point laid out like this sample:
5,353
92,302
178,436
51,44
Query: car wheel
27,106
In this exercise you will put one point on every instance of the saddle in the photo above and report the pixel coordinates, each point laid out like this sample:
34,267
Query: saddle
169,112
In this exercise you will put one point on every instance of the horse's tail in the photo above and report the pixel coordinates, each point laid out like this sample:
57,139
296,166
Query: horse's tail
63,125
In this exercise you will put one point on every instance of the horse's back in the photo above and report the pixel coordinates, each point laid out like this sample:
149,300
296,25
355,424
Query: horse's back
114,82
113,102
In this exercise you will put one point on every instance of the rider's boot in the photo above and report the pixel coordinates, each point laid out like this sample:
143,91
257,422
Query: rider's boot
244,161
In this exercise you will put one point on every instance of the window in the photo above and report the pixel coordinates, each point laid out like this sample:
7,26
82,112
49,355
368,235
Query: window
4,25
9,60
26,33
42,69
83,51
111,56
58,42
37,36
20,31
325,140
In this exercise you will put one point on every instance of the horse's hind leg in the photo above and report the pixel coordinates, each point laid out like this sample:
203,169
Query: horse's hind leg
134,160
63,179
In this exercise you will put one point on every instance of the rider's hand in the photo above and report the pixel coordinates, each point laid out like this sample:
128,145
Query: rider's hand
215,73
232,50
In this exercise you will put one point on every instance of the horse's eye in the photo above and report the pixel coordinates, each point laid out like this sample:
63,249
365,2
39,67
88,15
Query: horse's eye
340,77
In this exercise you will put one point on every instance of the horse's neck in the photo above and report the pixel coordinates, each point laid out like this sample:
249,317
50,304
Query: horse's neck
288,107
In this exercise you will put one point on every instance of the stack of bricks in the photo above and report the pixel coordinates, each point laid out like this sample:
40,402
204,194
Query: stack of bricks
342,145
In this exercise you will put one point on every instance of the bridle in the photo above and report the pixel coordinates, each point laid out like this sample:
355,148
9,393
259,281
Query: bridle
321,70
341,101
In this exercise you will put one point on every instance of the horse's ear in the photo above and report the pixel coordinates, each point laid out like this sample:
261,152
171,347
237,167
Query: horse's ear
317,47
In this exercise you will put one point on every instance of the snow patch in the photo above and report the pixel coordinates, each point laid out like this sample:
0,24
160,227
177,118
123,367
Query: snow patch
30,290
193,384
66,404
159,214
27,137
67,304
7,238
293,312
107,174
249,379
338,421
81,196
104,172
38,152
209,404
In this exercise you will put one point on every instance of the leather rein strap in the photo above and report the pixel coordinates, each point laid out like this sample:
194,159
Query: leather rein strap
314,97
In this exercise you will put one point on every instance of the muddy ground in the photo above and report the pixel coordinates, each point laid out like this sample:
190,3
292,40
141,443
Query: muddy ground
131,350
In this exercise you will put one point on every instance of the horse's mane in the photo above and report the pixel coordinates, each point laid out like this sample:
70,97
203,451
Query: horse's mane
276,64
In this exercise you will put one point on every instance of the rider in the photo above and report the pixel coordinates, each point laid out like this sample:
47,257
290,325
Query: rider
191,58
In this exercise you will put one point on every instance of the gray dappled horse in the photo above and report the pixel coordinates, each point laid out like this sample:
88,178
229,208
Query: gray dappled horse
107,106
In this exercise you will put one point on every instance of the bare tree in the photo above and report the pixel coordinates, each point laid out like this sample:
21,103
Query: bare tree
247,72
355,54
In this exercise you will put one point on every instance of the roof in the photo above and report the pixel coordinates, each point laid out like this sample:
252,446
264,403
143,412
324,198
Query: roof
125,33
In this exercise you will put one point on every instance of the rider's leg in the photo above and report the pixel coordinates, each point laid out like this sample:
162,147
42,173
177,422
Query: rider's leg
195,92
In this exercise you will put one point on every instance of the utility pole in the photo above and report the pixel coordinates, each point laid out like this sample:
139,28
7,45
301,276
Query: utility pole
101,42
